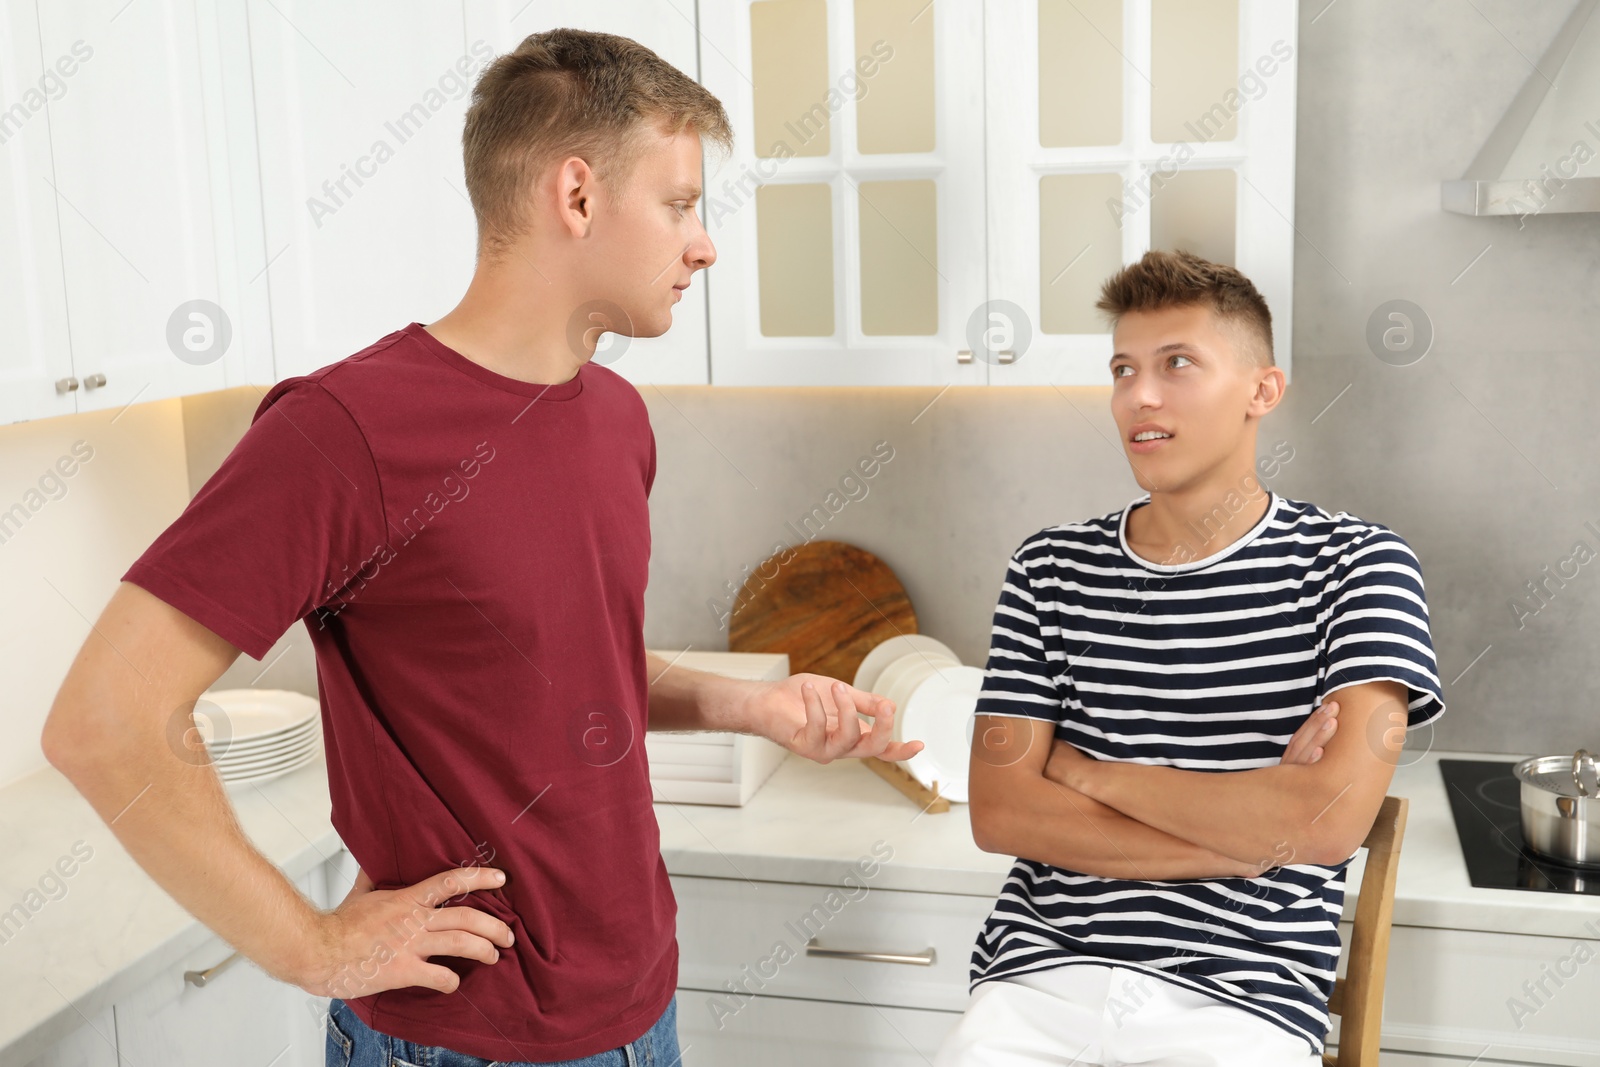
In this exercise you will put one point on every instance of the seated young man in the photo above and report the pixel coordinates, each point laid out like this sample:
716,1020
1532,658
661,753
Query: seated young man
1155,740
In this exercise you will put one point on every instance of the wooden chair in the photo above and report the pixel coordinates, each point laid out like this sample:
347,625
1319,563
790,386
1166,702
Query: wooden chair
1358,997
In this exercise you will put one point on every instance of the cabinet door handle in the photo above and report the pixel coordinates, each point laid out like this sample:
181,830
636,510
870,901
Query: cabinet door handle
924,958
1007,355
66,385
94,381
964,355
200,978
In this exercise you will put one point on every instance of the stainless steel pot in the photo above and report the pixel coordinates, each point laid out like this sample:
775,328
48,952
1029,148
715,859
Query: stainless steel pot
1561,808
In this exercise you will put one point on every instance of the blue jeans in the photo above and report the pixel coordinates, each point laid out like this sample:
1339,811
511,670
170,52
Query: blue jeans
352,1043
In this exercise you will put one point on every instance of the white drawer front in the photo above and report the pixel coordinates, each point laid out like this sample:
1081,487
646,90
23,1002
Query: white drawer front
1454,992
752,937
780,1032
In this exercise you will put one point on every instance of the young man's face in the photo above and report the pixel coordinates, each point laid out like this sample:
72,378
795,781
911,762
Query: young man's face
648,240
1177,370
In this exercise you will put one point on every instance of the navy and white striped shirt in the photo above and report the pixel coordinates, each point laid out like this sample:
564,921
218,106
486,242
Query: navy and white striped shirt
1205,665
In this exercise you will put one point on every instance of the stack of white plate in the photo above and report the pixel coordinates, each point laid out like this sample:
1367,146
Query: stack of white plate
934,698
255,735
714,767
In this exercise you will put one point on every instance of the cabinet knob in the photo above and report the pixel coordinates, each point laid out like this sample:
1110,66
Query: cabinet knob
94,381
66,385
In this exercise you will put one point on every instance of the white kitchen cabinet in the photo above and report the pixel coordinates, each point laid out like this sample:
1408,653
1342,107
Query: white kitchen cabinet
729,930
142,200
93,1044
1011,187
238,1015
753,986
1147,124
786,1032
1526,999
748,989
359,111
34,352
848,223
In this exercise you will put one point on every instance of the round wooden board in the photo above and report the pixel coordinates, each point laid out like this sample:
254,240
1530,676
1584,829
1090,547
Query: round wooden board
827,607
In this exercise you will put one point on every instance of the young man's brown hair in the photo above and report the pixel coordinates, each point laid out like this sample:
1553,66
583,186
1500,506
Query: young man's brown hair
1173,279
569,92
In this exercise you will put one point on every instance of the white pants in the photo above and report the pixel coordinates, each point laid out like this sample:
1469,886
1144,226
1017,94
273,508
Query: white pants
1090,1013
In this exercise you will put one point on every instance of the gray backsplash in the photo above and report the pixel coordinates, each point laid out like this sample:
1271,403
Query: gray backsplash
1479,454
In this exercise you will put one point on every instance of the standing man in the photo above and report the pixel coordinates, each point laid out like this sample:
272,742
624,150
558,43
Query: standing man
459,514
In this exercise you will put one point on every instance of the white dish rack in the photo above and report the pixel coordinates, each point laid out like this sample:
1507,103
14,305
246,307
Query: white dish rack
715,767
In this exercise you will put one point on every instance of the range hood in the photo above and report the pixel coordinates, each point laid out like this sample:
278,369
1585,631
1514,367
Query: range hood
1544,156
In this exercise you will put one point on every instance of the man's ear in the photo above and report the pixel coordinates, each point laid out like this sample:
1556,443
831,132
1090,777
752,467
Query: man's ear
1270,386
575,189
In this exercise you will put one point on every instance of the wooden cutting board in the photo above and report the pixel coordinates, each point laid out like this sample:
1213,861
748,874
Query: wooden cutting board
827,607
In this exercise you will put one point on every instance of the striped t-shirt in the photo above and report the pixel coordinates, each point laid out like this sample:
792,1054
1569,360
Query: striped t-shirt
1205,665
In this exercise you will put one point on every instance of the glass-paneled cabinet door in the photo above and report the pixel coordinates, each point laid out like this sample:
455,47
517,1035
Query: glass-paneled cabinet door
1117,126
849,220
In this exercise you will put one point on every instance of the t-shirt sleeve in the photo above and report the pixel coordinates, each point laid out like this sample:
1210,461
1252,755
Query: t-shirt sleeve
1377,629
1019,679
287,521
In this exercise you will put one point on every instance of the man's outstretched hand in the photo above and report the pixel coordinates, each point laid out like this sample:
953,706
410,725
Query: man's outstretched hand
819,718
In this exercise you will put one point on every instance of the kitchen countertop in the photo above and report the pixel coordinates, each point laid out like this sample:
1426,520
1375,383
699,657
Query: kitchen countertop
113,928
810,823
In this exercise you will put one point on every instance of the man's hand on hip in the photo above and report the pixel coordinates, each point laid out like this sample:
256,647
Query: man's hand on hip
379,939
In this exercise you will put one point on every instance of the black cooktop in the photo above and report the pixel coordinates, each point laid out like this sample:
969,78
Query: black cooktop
1486,800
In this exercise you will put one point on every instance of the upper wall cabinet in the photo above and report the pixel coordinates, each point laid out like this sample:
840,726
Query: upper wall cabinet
34,352
899,213
922,192
359,117
1118,126
118,216
358,111
849,220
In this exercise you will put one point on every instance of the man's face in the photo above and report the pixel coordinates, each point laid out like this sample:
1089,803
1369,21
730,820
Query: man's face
648,240
1178,371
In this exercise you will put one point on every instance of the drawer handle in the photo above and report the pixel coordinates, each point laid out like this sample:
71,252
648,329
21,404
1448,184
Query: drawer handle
924,958
200,978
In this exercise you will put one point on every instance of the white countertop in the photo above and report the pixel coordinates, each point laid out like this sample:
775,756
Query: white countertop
114,928
810,823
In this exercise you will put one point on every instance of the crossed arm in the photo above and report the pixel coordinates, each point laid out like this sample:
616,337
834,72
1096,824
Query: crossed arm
1033,796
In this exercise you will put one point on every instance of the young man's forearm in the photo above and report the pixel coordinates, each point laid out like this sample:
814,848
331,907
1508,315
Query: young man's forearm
1266,816
174,818
1038,819
1294,812
682,698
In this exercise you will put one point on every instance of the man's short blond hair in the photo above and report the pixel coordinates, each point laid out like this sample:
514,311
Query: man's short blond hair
568,92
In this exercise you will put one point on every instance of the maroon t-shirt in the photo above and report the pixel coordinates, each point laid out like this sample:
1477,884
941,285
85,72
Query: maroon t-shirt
469,554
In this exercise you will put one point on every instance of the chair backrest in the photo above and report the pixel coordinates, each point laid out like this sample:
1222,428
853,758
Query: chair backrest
1358,996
